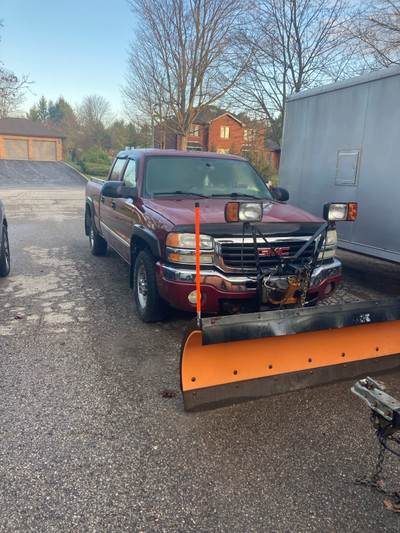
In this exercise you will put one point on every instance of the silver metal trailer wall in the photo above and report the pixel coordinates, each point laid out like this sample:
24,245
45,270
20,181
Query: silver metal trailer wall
342,143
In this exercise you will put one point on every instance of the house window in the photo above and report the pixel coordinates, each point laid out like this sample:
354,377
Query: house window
250,135
194,130
194,146
224,132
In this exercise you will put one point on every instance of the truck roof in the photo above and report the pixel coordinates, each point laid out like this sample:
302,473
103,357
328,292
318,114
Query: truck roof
157,152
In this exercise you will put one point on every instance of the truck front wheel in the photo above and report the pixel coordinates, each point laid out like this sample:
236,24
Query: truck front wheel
98,246
4,253
150,307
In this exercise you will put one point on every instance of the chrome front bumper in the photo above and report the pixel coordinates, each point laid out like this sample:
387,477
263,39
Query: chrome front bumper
240,283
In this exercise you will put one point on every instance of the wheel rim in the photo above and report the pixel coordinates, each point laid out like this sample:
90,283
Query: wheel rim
141,286
91,236
6,250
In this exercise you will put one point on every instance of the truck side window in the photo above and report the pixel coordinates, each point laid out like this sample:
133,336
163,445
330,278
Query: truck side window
117,168
130,174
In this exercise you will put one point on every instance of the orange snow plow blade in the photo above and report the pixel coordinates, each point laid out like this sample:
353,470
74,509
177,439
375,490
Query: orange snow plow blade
244,357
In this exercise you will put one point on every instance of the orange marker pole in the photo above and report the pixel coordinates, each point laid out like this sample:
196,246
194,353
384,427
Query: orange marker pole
198,292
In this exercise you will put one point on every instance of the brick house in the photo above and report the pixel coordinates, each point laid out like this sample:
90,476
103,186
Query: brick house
216,130
24,139
273,153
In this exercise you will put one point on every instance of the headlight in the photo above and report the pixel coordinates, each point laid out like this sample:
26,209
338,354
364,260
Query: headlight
181,248
188,240
243,211
340,211
331,238
329,246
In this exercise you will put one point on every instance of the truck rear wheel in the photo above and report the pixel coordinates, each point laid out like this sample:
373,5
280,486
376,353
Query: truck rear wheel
149,304
4,253
98,246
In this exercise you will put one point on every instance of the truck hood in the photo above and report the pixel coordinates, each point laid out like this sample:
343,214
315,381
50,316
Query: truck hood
212,210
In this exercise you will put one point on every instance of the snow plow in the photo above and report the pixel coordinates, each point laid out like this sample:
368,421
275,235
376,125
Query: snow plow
229,359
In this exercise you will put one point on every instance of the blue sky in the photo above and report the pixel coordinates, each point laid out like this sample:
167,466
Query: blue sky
73,49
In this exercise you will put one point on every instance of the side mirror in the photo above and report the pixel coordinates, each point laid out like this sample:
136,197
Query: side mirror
280,194
118,189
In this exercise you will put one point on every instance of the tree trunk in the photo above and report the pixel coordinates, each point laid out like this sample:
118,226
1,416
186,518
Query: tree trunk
182,142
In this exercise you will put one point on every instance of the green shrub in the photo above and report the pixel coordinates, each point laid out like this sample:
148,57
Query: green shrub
95,161
95,169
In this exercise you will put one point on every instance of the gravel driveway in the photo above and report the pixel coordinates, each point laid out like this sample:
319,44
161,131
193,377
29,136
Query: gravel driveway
88,443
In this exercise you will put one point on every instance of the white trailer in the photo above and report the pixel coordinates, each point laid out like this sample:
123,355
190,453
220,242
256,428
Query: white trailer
341,142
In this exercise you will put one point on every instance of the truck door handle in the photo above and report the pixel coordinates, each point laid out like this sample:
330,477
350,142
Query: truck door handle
102,199
113,205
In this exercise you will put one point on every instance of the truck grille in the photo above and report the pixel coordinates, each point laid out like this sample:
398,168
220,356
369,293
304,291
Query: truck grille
239,255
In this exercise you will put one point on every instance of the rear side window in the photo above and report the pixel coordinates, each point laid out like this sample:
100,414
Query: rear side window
117,169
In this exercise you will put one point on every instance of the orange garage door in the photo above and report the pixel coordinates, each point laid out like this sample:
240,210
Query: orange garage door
16,149
44,150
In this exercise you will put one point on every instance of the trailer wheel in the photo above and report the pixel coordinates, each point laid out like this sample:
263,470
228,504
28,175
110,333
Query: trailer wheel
98,246
149,304
4,253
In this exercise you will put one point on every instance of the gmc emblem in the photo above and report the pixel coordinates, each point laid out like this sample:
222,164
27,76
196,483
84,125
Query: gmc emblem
268,252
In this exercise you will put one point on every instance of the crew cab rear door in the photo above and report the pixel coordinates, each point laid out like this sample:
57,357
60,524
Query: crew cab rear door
108,206
126,213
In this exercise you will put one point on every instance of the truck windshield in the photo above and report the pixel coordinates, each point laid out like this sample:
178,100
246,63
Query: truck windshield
202,176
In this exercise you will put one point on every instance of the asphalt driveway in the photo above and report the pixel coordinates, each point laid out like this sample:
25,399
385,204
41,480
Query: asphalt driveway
38,175
88,443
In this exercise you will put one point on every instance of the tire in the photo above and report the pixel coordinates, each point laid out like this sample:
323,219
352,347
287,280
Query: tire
4,253
150,306
98,246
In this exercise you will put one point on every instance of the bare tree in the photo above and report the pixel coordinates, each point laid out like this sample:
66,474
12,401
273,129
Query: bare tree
12,90
378,30
95,110
94,116
295,45
181,60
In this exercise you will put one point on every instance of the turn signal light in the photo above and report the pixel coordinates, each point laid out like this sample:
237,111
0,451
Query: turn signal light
352,212
232,212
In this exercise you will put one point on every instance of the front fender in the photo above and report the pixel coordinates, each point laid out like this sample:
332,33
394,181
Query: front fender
147,236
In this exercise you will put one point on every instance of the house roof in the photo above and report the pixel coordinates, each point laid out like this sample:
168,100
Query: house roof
27,128
272,146
209,114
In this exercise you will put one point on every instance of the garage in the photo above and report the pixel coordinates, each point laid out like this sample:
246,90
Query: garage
23,139
44,150
16,148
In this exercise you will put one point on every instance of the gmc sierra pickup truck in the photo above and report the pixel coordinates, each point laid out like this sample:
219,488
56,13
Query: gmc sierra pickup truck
145,211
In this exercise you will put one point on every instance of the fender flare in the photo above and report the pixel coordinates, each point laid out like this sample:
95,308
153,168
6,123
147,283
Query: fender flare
148,237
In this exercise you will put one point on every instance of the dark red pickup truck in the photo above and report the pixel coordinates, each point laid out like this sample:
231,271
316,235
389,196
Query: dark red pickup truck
146,212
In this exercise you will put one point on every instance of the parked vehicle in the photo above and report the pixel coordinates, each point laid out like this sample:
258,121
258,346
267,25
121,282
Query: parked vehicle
146,212
4,244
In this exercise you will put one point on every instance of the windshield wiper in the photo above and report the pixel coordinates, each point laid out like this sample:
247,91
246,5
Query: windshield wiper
189,193
236,195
